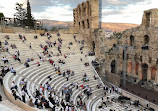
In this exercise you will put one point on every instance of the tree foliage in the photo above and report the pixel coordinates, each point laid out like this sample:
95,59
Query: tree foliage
1,15
30,19
20,15
23,16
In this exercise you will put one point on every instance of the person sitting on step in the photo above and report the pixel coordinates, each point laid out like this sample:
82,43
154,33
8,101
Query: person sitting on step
14,86
13,71
26,64
5,60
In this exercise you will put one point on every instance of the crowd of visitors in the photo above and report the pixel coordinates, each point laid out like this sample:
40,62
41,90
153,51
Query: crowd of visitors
61,100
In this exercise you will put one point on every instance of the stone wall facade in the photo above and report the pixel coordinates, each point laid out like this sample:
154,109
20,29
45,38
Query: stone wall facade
135,53
86,20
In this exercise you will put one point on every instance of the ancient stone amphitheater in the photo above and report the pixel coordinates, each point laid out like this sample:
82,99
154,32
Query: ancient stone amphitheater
37,75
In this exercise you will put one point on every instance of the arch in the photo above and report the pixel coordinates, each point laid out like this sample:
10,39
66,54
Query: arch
113,66
79,8
79,25
146,40
132,40
88,23
148,19
88,8
83,24
93,46
137,68
129,67
144,72
153,72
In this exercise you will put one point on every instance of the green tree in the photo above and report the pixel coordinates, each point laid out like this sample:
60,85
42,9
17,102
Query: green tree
1,15
23,17
30,19
20,15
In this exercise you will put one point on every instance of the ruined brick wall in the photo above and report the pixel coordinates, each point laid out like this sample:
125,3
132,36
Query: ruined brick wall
140,56
113,78
150,18
86,20
142,50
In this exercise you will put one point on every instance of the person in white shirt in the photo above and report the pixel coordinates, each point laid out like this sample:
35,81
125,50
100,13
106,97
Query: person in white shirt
13,86
15,53
5,60
23,39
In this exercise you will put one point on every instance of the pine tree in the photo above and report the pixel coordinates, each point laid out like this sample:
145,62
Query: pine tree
30,20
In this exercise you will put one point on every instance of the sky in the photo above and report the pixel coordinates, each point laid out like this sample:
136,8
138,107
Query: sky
115,11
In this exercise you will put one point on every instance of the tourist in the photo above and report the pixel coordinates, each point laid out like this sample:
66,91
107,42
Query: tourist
35,37
15,95
1,79
23,39
13,71
46,104
18,52
38,64
30,46
23,83
13,86
18,58
26,64
23,95
5,60
31,102
36,103
6,42
67,77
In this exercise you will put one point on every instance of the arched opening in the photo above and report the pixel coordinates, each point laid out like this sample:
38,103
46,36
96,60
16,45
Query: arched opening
136,68
129,67
93,46
144,72
123,55
113,66
79,11
153,73
148,19
146,40
83,24
88,8
87,23
79,25
132,40
84,11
